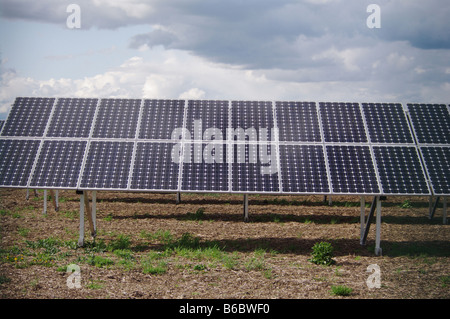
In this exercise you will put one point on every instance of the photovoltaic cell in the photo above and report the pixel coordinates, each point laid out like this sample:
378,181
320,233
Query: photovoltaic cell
297,122
431,123
205,167
107,165
156,167
437,164
59,164
252,120
28,117
303,169
387,123
400,170
252,172
207,120
352,170
16,161
117,118
160,118
72,117
342,122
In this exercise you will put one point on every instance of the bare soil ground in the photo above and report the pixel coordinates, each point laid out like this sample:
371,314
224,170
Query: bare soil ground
149,247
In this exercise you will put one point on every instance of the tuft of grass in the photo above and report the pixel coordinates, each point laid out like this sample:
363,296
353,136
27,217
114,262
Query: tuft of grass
322,254
122,242
198,215
341,290
99,261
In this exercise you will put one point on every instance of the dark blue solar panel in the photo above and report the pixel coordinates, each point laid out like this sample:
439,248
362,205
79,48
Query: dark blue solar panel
207,120
298,122
303,169
156,167
400,170
1,124
437,163
16,161
117,118
205,167
72,117
387,123
431,123
252,121
28,117
255,168
107,165
342,122
161,118
352,170
59,164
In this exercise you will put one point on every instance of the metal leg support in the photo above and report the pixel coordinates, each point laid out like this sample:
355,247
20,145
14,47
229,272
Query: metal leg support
81,238
378,250
45,202
368,221
444,218
245,207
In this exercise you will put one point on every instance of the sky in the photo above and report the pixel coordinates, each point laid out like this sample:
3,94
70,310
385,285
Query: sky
310,50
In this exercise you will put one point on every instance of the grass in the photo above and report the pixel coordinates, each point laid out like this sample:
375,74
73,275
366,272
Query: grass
341,290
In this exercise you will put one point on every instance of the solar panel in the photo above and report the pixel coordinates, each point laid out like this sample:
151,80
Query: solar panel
16,161
387,123
298,122
205,168
342,122
303,169
437,164
156,167
72,117
28,117
255,168
59,164
431,123
252,120
1,124
117,118
207,120
160,118
400,170
352,170
107,165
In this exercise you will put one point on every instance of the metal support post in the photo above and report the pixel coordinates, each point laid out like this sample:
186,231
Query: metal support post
94,210
178,197
89,214
434,208
45,202
368,221
363,215
81,238
246,207
378,250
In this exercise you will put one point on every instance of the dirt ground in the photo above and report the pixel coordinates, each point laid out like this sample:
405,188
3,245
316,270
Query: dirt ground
267,257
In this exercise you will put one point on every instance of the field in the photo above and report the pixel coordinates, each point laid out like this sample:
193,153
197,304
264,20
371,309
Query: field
148,247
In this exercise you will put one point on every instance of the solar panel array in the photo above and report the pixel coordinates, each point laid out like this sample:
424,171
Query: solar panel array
226,146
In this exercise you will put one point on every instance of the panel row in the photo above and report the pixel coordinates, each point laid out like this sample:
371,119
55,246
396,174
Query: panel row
216,167
296,122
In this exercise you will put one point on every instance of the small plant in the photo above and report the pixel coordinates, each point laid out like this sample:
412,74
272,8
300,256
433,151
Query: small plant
406,204
99,261
322,254
123,242
198,215
341,290
199,267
